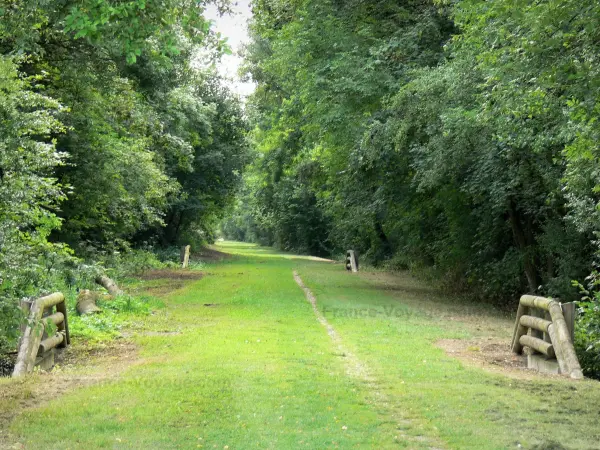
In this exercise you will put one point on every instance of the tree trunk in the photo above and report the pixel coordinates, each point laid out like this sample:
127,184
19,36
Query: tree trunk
524,240
385,243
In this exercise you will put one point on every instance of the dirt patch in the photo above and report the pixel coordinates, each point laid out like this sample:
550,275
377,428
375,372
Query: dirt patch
209,254
163,289
166,281
160,333
171,274
490,354
33,391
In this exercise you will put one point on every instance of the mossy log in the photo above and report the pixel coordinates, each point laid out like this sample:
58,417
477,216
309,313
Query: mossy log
50,343
562,365
109,285
55,318
563,339
536,323
536,302
86,302
539,345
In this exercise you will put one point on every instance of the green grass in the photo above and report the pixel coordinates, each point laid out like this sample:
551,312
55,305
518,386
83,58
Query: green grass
256,370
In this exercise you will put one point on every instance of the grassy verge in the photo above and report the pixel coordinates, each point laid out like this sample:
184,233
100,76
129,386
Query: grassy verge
237,360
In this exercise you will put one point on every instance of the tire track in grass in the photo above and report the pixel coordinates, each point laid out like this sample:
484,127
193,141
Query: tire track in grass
357,369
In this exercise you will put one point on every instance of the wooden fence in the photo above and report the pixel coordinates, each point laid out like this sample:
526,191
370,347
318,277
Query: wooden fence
542,328
37,346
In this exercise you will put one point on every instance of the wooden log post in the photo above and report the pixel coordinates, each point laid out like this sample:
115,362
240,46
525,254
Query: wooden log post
558,351
109,285
86,303
32,337
520,330
25,306
569,312
63,327
185,256
563,339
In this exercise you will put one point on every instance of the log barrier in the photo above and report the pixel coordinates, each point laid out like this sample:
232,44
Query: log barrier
542,328
36,346
351,261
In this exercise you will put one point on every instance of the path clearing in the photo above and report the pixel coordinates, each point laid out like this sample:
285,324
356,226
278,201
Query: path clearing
254,369
357,369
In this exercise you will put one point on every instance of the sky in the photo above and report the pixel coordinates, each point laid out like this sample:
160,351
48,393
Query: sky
234,27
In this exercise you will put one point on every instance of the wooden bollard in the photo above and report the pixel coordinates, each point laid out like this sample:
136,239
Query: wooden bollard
185,256
351,261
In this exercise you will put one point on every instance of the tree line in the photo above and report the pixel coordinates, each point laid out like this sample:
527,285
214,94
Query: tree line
115,133
459,138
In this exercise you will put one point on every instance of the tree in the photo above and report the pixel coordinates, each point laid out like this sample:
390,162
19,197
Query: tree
29,194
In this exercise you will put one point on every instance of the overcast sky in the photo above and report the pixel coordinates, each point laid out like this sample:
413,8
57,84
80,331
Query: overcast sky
235,29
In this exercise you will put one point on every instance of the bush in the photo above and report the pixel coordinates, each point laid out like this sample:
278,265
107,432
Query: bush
587,329
116,313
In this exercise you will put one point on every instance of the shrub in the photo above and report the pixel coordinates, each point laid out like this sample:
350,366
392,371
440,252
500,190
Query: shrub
587,329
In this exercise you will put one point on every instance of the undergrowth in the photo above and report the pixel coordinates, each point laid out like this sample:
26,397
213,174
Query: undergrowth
72,274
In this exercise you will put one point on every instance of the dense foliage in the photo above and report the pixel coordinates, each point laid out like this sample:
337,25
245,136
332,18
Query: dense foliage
459,138
113,135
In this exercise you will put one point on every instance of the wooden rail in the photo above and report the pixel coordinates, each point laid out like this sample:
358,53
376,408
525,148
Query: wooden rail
36,346
549,335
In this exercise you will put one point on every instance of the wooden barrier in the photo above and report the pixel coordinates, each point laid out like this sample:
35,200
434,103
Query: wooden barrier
36,347
185,256
542,328
351,261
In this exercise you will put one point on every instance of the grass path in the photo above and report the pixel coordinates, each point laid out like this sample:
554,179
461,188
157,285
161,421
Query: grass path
256,368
